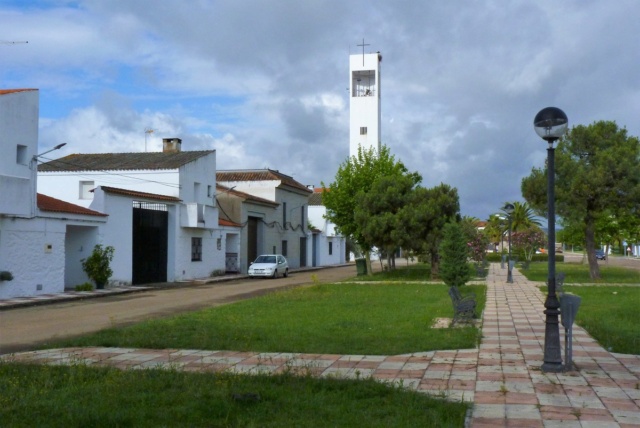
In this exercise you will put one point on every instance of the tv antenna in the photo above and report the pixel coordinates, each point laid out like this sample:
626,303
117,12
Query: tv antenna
10,42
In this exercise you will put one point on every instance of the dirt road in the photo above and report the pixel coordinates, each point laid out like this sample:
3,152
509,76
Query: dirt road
24,328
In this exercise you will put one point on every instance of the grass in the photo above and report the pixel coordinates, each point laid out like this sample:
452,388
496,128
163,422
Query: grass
610,314
79,396
326,318
412,272
371,319
577,273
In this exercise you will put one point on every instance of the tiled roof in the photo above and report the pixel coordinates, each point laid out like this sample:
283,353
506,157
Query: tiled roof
223,222
222,190
47,203
125,192
12,91
259,175
315,199
122,161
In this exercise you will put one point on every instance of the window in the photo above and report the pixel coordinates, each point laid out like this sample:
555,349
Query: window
284,215
209,192
21,154
284,248
330,248
302,217
363,130
196,249
85,189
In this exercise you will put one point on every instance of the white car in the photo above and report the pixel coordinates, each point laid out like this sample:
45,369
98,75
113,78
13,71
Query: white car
269,265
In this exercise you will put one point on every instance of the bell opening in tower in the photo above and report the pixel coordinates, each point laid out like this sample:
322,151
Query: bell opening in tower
363,83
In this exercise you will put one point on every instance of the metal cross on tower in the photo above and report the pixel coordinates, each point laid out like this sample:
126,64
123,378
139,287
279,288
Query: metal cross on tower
363,45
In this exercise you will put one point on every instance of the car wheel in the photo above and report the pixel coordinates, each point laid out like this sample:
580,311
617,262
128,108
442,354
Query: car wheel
275,274
286,273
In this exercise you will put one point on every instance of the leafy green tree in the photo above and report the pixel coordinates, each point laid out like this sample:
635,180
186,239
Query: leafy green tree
377,212
597,174
357,174
454,268
423,220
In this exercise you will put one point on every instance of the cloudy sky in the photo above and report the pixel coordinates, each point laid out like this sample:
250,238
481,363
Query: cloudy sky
265,82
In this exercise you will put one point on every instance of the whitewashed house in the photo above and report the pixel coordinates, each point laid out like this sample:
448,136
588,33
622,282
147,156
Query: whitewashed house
328,246
38,234
163,219
282,229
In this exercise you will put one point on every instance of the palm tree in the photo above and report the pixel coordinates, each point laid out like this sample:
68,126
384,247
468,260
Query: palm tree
523,217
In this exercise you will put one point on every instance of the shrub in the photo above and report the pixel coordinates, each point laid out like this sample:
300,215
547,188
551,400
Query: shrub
5,275
454,253
96,266
87,286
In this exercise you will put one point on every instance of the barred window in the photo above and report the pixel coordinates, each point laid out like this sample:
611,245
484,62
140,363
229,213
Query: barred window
196,249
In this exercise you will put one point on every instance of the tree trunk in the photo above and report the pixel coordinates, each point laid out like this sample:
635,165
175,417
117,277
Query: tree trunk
367,257
590,241
435,268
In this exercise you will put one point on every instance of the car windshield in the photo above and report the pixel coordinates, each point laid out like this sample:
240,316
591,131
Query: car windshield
266,259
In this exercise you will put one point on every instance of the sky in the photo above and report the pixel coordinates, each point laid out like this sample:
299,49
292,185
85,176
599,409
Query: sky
265,83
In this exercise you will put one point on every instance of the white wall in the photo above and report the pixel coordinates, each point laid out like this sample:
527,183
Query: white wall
18,127
33,250
66,185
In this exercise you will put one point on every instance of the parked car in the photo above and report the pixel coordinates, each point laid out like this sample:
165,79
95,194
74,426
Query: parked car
600,255
269,265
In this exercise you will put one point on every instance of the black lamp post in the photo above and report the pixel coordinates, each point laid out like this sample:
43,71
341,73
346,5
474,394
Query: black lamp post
508,208
550,124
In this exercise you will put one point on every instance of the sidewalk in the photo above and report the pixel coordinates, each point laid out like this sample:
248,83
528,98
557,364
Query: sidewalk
502,378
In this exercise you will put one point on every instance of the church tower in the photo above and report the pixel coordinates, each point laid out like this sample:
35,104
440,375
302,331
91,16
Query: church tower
364,101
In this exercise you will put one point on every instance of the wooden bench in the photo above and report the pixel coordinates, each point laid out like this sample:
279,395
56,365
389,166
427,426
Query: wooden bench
464,307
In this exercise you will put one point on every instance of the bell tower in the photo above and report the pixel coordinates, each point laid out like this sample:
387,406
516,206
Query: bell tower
364,101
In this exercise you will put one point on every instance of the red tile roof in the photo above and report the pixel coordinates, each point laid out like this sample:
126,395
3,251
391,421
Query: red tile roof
47,203
13,91
223,190
259,175
223,222
136,194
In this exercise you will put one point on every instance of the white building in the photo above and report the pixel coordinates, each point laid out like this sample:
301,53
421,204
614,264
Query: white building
163,220
280,230
36,231
328,246
364,102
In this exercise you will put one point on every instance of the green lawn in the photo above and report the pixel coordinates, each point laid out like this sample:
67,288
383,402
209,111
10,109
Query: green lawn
609,314
327,318
577,273
372,319
83,396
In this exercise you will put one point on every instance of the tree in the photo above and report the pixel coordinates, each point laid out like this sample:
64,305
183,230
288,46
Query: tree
528,241
357,174
454,269
523,217
377,212
597,174
496,225
424,217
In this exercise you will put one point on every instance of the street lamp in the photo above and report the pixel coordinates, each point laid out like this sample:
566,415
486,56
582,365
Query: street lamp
550,124
508,208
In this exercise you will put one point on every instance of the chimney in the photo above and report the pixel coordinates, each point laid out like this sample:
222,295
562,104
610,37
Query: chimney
171,145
